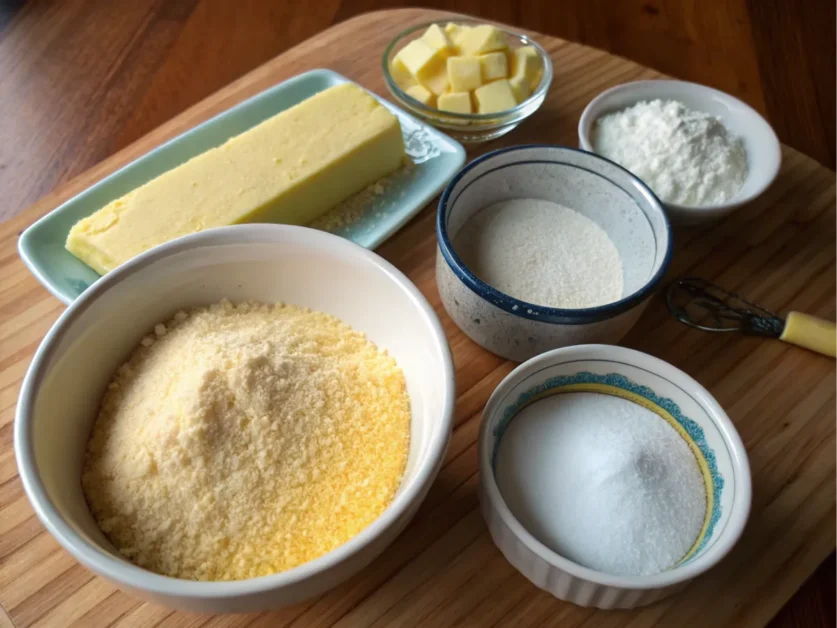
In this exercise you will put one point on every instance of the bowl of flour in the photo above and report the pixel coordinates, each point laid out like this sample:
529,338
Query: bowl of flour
542,247
702,152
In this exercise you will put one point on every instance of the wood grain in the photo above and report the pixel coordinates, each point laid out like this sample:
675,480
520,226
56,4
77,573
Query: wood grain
443,569
81,79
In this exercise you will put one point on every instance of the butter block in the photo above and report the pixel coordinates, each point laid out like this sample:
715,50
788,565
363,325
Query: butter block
401,75
494,66
520,87
290,169
437,39
527,63
421,94
495,97
464,73
481,39
457,102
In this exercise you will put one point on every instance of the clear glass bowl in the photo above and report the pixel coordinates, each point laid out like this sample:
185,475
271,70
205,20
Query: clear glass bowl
474,127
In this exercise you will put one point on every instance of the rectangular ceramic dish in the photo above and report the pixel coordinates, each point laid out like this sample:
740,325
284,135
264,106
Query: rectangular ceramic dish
435,157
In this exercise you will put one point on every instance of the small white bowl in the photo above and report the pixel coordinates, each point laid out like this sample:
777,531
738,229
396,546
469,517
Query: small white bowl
764,154
660,387
595,187
64,384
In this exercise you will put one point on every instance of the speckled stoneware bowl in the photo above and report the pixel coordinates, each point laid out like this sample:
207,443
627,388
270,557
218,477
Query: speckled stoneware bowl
599,189
674,397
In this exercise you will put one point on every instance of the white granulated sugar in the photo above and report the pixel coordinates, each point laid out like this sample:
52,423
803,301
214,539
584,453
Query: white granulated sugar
687,157
602,481
542,253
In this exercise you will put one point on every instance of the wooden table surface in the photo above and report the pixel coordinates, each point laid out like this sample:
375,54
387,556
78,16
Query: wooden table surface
81,79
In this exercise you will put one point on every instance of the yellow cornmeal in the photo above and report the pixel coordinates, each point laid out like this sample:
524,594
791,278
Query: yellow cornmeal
243,440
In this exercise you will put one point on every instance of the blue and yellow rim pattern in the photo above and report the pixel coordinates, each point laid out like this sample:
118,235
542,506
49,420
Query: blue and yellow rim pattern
618,385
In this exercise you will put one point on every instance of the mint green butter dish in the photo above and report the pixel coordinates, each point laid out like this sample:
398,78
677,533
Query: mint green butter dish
376,216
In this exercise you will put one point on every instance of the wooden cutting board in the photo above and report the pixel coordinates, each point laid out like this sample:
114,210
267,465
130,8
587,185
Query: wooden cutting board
443,570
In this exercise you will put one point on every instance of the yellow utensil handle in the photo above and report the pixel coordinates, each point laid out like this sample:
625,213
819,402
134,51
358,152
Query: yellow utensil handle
811,332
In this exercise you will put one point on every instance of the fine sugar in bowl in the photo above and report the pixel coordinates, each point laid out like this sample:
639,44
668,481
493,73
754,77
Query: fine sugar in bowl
608,477
541,247
234,417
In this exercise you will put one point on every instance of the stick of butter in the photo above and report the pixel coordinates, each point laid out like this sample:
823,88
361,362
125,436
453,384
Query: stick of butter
289,169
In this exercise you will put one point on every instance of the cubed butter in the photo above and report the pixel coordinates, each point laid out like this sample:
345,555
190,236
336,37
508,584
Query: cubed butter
457,102
437,82
520,88
400,74
495,97
452,29
421,94
494,66
290,169
437,39
481,39
426,65
455,33
527,63
464,73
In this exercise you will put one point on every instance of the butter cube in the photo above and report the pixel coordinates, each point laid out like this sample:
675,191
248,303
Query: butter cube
527,63
495,97
426,65
481,39
494,66
400,74
457,102
464,73
520,88
437,82
455,33
437,39
421,94
451,29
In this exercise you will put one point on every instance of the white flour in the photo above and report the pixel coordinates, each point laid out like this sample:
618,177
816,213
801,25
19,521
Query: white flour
619,491
687,157
542,253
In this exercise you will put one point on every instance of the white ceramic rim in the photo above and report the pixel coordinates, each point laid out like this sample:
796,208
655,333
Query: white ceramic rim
130,575
585,123
741,468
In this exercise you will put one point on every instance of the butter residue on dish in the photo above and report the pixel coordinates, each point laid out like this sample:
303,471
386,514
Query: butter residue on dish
374,201
289,169
243,440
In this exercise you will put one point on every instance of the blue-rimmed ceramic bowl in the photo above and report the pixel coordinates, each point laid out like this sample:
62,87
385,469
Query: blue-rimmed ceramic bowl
663,389
599,189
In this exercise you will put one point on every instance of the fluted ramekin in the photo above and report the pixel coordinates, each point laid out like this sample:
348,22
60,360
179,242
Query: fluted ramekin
664,389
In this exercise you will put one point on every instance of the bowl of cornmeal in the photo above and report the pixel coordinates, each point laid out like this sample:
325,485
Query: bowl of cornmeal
237,419
541,247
